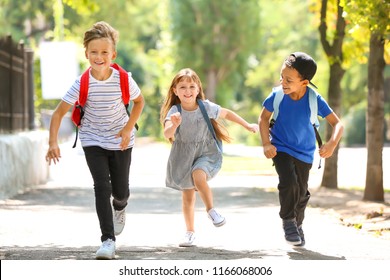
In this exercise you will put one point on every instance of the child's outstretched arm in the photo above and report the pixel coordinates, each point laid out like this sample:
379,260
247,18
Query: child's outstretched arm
234,117
327,149
269,150
54,153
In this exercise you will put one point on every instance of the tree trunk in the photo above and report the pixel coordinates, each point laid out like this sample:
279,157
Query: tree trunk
375,120
330,177
211,85
335,57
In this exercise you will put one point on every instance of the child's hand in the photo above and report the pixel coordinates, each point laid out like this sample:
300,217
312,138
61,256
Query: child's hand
53,154
125,134
269,150
176,119
327,150
253,127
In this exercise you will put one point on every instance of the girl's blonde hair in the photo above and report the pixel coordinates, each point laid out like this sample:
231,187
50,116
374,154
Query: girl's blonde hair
171,99
101,30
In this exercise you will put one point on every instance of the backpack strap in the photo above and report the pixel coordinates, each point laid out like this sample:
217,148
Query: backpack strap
178,106
207,119
79,105
125,89
210,126
84,88
278,98
313,104
124,82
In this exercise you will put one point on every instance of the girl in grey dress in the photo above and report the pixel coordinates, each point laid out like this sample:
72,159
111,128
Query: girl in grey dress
195,156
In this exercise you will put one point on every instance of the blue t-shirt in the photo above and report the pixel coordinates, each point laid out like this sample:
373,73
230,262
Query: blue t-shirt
292,132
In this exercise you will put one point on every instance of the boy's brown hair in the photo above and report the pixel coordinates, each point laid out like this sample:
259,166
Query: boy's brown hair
101,30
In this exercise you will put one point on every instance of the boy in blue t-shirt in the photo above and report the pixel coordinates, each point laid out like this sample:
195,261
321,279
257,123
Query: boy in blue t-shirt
290,141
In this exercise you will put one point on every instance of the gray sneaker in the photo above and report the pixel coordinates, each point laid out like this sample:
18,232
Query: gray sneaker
106,251
119,221
217,219
291,233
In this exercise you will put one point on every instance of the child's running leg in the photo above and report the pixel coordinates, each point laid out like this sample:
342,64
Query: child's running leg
119,173
188,207
200,181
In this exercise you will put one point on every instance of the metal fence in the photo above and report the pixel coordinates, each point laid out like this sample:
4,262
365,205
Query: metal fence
16,86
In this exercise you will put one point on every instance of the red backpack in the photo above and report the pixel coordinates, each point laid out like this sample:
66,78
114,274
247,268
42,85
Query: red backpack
78,108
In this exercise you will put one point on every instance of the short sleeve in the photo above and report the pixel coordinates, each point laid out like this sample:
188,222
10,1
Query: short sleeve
323,107
171,112
135,91
269,102
72,95
213,110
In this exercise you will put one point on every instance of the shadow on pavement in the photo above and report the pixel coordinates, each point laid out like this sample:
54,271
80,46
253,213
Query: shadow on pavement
142,200
154,253
81,198
303,254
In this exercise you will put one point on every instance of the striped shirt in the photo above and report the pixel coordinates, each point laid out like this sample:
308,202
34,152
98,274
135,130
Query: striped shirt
105,114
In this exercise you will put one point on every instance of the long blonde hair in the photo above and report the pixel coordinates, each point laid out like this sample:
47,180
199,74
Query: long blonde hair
171,99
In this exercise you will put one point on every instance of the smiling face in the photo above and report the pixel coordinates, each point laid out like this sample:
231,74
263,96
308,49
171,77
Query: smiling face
187,91
292,82
100,53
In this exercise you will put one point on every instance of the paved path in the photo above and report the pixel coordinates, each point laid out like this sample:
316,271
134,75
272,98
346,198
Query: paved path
58,221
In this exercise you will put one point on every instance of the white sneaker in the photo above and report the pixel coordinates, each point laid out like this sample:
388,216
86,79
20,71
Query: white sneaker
119,221
106,251
188,240
217,219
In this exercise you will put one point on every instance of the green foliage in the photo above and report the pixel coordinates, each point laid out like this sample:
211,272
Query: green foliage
244,41
253,166
354,86
286,26
373,14
364,17
22,19
216,36
355,125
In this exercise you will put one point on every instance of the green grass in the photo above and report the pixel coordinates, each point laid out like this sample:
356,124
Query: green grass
236,165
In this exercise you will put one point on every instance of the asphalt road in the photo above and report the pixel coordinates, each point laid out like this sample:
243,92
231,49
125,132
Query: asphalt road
57,221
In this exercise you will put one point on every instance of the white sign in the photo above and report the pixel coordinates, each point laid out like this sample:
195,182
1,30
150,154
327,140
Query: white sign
59,68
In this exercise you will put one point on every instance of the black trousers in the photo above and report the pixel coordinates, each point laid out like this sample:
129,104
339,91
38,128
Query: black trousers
293,186
110,172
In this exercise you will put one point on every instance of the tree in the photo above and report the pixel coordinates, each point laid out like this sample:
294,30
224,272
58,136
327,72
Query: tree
216,38
375,119
374,16
334,54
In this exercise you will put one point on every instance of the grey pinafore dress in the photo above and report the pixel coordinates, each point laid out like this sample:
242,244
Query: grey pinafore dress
194,148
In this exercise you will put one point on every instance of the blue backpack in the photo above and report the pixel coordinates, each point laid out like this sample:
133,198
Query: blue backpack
313,110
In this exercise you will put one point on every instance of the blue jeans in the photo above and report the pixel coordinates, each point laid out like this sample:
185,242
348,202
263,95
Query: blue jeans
293,186
110,172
